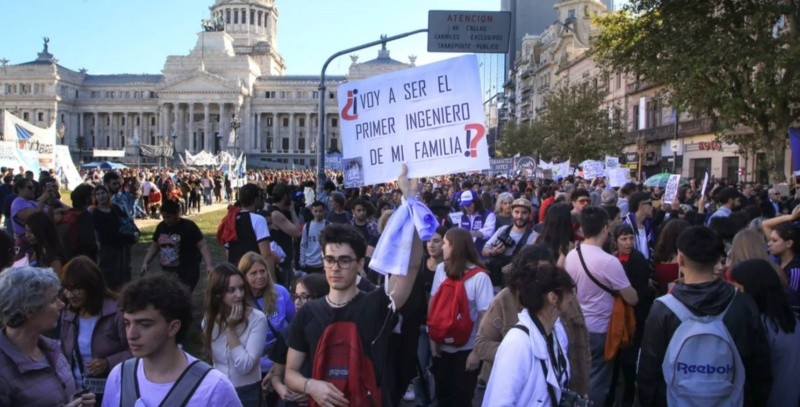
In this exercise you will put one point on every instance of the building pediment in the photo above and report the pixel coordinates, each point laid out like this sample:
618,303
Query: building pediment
202,82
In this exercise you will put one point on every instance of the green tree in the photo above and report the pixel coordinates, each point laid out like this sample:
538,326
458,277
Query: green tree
575,125
733,61
579,126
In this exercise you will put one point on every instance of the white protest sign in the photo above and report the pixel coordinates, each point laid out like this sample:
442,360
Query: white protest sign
592,169
617,177
705,184
430,117
455,217
671,190
612,162
561,170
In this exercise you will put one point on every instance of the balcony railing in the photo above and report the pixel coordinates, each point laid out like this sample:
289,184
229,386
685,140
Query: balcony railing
666,132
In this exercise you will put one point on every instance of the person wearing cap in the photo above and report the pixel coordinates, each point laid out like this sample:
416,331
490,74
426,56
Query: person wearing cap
728,200
478,221
509,239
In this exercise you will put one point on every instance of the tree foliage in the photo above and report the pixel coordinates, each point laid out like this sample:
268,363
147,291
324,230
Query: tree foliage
575,125
733,61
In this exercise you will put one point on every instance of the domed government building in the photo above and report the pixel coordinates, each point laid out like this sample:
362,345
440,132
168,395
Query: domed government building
234,75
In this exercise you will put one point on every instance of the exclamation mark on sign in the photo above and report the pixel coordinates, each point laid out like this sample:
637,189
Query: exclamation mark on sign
472,142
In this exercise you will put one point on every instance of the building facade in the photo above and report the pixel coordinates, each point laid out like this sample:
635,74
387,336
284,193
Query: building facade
666,140
234,76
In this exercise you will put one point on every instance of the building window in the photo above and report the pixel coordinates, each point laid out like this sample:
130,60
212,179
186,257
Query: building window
269,122
285,144
252,17
331,95
259,17
40,116
227,16
25,116
285,122
236,16
108,141
302,122
122,120
730,166
635,117
571,13
334,122
315,94
334,144
301,144
152,121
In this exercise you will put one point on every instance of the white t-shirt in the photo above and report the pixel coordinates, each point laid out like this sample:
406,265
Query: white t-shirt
595,302
642,244
215,389
84,345
516,235
479,293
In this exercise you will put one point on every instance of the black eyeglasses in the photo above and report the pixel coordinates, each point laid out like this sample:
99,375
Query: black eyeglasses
304,297
343,262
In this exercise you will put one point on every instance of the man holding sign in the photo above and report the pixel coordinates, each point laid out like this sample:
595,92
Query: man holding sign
430,117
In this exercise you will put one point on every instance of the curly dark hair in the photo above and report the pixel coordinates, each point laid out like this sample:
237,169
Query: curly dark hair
344,234
166,294
527,260
534,284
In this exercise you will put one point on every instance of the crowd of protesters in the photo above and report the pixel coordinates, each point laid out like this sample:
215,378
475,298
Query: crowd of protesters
571,292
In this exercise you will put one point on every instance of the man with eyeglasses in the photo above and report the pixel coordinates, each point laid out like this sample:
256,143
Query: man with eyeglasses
641,220
344,249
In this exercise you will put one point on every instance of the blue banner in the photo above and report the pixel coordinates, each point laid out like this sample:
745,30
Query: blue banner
794,139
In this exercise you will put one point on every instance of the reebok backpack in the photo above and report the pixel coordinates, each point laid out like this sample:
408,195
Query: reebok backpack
341,361
702,366
449,321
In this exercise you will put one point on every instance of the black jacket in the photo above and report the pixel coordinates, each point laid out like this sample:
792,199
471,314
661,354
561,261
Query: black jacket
742,321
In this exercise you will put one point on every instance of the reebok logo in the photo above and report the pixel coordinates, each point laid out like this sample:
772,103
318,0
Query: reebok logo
704,369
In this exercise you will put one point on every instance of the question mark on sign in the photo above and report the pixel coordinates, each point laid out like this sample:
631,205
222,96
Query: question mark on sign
472,142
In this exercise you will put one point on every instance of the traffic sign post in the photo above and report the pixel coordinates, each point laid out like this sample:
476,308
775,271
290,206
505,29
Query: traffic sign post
480,32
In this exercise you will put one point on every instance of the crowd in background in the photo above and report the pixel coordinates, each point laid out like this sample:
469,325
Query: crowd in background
546,267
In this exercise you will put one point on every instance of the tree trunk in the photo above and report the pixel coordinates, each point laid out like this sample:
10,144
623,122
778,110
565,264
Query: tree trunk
776,156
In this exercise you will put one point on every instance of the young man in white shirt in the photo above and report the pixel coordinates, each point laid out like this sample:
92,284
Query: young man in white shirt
157,312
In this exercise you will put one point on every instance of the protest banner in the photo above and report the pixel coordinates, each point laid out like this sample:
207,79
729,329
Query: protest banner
617,177
593,169
671,190
612,162
525,166
455,217
430,117
333,161
705,185
561,170
501,166
32,141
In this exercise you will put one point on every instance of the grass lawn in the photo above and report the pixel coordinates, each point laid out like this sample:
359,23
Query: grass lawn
208,225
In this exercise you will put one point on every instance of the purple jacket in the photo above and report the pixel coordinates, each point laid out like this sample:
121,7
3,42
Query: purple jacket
34,383
108,340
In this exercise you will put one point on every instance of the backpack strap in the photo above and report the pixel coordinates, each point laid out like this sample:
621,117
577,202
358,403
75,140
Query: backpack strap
591,277
522,328
129,384
676,307
683,313
184,388
470,273
522,241
318,312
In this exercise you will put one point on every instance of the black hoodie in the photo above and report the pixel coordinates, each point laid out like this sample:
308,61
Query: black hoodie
743,323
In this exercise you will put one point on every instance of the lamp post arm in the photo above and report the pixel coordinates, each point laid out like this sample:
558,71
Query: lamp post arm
322,94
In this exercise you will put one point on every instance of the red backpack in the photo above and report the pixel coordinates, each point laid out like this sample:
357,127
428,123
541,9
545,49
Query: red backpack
449,321
340,360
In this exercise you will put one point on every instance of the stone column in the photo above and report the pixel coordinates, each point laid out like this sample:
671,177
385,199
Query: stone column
191,129
246,137
224,130
96,130
209,135
309,134
292,134
275,138
177,122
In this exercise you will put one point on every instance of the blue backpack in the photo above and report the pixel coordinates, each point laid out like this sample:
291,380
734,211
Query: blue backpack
702,366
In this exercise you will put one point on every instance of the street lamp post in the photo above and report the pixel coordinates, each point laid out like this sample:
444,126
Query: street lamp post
235,124
641,144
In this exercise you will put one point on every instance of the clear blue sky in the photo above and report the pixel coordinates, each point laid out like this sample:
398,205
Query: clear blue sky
135,36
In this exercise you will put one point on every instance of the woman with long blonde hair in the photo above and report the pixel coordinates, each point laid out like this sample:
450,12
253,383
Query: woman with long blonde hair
272,299
234,332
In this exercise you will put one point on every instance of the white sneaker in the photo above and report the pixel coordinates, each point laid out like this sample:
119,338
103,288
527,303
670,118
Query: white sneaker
410,395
